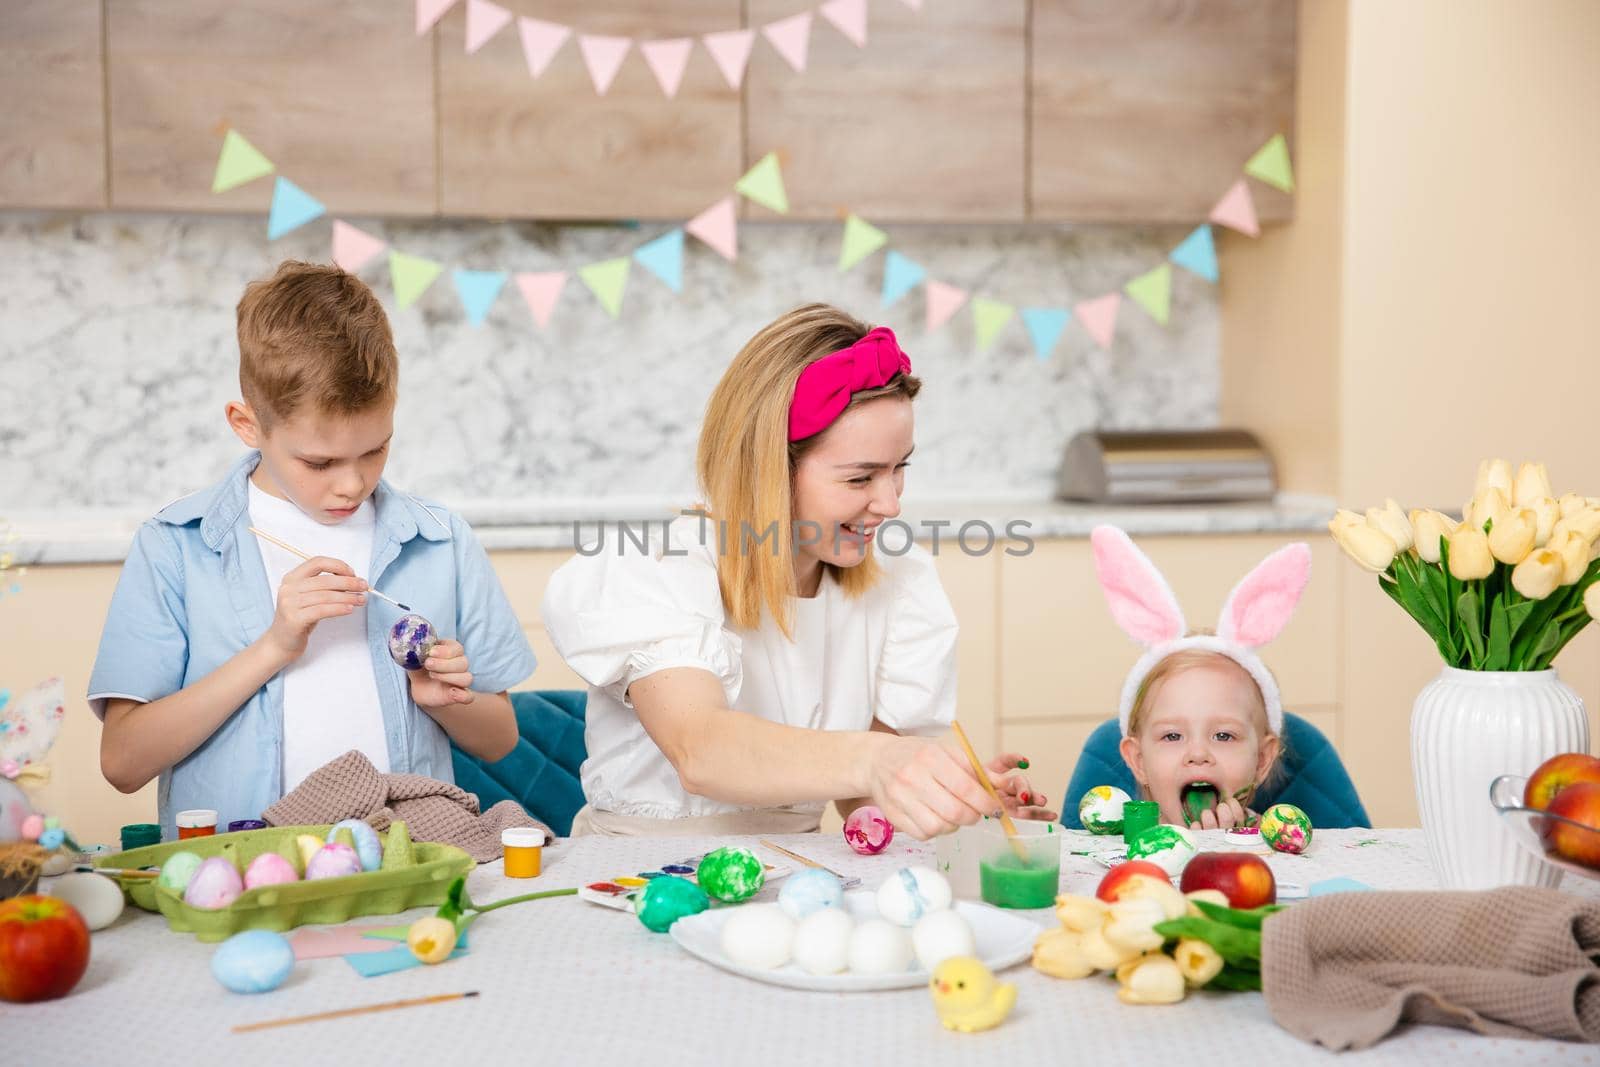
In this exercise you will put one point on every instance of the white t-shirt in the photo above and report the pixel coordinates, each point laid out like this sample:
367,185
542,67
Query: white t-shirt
330,695
887,654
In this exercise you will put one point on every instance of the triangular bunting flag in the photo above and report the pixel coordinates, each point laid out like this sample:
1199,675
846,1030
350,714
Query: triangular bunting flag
478,289
988,317
731,50
484,20
1099,317
850,17
238,162
1237,211
410,276
607,280
429,12
667,60
663,257
603,56
1044,328
540,42
1197,254
943,301
1152,291
353,248
861,239
541,290
791,38
763,183
292,207
900,276
718,226
1271,164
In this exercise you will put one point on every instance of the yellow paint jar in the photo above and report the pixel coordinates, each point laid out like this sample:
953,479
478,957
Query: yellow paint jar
524,847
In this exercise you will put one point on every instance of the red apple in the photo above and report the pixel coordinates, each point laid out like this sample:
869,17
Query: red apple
1556,774
1244,879
44,948
1116,879
1581,804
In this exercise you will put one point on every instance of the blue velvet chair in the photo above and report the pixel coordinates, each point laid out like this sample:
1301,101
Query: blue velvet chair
541,773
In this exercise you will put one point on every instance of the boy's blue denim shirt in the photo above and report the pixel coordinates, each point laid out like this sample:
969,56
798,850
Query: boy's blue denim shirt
193,593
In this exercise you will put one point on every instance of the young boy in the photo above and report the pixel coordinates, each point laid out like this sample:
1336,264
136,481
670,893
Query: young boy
230,667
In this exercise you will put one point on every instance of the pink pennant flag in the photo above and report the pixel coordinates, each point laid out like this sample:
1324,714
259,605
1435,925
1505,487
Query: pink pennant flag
540,42
850,17
791,37
1237,211
731,50
541,291
943,300
718,227
429,12
667,60
353,248
484,20
1099,317
603,56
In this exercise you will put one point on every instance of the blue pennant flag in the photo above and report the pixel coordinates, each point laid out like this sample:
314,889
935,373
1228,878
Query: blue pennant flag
1197,254
292,207
1044,327
900,276
663,257
478,289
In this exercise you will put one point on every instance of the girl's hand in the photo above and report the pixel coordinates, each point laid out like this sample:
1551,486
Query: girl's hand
924,788
1016,792
444,678
1229,813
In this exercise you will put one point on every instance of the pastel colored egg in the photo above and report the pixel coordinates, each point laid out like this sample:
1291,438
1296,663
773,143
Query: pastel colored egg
256,961
269,868
940,935
178,870
822,941
731,874
667,899
216,884
878,946
1286,828
411,638
1168,847
912,892
868,830
98,899
759,936
333,860
1100,810
307,845
368,847
808,891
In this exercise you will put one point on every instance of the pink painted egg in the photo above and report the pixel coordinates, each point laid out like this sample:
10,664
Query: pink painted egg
269,868
333,860
215,884
868,830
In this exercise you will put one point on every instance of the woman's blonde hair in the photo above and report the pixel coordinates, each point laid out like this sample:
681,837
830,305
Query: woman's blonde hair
1188,659
746,462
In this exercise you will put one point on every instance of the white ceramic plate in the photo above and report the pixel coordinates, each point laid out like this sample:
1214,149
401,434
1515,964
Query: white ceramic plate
1003,941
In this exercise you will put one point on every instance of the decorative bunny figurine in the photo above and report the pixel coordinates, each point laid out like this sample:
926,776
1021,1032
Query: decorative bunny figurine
28,727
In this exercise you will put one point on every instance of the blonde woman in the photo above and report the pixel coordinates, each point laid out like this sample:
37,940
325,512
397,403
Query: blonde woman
760,658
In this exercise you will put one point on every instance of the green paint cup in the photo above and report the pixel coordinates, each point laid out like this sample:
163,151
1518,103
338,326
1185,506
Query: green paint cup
1137,817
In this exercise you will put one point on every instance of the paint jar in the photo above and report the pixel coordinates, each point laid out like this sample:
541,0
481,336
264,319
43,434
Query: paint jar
240,825
1022,871
524,847
1137,817
140,835
956,857
196,822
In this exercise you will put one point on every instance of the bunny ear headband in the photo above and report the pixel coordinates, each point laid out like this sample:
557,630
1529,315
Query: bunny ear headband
1144,606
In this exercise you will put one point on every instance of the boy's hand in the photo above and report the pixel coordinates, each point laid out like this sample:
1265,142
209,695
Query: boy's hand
444,678
320,588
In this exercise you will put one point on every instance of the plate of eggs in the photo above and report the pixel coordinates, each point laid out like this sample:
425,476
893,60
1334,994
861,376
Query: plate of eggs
817,936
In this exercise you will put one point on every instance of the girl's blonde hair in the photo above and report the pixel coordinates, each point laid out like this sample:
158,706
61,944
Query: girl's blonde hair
746,462
1188,659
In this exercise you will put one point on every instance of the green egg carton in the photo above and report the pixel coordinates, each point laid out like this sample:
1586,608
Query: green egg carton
412,875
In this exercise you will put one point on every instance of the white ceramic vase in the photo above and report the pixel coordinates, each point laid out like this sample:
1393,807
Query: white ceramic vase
1467,728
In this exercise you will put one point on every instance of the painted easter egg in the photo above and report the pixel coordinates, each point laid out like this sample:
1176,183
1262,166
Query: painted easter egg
666,900
368,848
759,936
255,961
940,935
216,884
878,946
1100,810
1286,828
822,941
808,891
269,868
868,830
333,860
912,892
98,899
411,638
731,874
307,845
178,870
1168,847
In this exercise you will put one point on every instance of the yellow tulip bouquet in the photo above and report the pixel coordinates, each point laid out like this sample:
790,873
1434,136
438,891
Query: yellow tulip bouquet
1506,588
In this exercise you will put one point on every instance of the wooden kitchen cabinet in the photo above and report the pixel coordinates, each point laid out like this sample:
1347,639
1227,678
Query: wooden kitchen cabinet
52,124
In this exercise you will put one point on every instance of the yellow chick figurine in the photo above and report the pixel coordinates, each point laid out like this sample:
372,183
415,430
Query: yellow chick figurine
968,998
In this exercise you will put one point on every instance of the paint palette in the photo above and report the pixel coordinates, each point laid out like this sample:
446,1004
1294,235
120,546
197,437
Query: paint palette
618,891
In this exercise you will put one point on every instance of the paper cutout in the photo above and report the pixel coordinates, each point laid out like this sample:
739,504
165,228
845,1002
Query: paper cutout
1099,318
390,960
541,290
429,12
667,61
541,41
389,933
1197,254
1152,291
312,944
478,290
790,38
411,276
1237,211
900,276
718,227
861,239
1270,164
763,183
292,207
1044,328
663,257
1337,885
607,280
731,50
353,248
603,56
484,20
849,17
239,162
943,301
988,318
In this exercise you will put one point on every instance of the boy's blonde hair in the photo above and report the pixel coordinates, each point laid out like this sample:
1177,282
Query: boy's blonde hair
313,335
746,462
1188,659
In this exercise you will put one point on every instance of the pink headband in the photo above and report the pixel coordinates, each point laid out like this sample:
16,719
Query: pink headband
825,387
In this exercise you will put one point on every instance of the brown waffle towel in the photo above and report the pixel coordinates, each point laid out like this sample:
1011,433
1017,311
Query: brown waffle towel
350,787
1345,970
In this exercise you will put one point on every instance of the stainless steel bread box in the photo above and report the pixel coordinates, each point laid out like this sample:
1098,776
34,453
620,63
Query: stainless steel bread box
1166,467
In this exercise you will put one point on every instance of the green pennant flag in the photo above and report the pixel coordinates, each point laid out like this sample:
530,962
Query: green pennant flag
239,162
763,183
607,280
1271,164
988,317
411,276
861,239
1152,291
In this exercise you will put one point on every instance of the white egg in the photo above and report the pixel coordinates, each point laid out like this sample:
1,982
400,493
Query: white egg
912,892
758,935
822,941
97,898
940,935
878,946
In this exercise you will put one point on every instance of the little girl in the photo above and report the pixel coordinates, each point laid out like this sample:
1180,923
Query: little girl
1201,718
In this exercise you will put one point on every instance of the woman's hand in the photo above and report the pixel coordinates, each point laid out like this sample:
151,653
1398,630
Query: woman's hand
1016,792
924,788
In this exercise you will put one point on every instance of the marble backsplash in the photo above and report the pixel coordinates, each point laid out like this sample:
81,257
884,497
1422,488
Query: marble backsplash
117,355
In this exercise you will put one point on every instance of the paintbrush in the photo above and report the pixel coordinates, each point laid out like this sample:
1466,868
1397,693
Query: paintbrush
342,1013
847,882
983,779
115,872
295,551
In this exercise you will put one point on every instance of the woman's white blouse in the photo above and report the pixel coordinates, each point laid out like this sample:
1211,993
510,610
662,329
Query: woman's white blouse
618,616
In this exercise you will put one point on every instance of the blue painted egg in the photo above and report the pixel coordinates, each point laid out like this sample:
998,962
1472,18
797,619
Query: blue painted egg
368,847
808,891
411,638
256,961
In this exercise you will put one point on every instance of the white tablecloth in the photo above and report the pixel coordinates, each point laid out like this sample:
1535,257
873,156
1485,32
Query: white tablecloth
567,982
